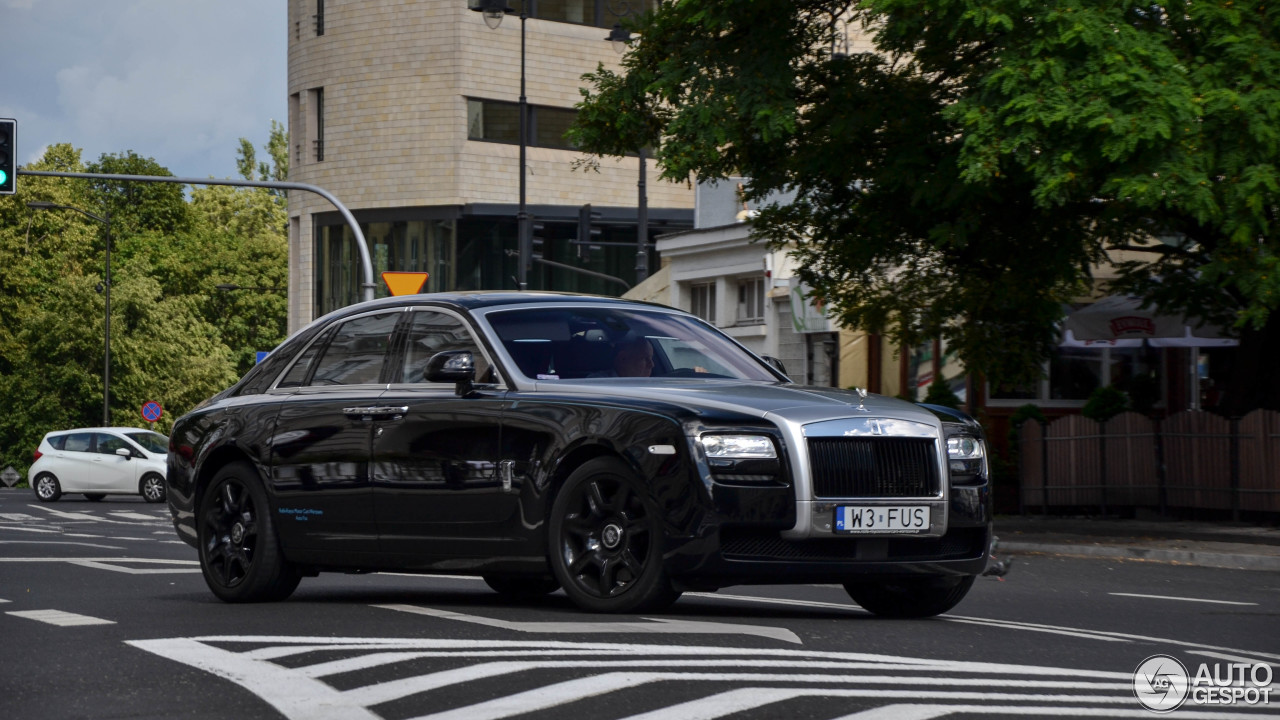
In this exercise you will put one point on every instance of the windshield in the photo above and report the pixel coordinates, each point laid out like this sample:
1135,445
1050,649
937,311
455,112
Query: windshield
572,343
150,441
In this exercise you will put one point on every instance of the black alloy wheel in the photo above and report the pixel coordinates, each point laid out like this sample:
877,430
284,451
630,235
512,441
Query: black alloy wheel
606,541
909,597
240,555
151,488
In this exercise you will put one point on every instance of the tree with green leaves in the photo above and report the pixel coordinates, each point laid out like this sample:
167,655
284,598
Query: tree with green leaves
175,337
961,175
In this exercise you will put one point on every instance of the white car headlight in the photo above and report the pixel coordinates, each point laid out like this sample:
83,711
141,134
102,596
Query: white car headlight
964,447
739,447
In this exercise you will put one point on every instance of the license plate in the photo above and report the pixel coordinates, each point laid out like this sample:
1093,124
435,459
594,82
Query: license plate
891,519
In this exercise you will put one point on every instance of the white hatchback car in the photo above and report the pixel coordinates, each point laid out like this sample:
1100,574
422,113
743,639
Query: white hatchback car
99,462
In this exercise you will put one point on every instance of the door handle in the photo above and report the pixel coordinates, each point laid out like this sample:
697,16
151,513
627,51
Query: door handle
377,412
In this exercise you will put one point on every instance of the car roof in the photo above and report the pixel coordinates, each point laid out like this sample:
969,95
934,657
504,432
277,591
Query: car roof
102,429
478,299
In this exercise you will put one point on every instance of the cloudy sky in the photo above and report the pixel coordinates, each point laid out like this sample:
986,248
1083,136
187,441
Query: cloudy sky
180,81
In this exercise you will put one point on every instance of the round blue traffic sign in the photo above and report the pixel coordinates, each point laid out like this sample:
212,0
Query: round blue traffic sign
151,411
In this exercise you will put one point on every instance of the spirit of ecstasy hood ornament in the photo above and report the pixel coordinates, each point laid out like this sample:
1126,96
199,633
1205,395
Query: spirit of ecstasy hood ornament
862,399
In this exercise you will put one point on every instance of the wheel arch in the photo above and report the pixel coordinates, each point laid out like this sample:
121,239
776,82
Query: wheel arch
216,460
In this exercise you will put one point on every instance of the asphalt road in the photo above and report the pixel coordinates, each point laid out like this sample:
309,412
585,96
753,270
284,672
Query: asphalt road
104,614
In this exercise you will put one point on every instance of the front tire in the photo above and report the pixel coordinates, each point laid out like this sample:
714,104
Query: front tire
151,488
47,487
606,541
240,554
909,597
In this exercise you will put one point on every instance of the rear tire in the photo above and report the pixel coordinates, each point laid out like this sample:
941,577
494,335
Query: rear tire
909,597
151,488
47,487
605,538
240,554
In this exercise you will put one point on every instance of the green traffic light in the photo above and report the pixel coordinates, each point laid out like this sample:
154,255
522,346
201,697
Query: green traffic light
4,177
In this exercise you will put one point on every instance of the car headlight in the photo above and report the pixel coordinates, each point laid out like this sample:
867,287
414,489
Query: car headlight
739,447
966,456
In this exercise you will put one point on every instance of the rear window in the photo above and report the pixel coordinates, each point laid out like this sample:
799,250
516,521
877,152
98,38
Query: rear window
78,442
57,441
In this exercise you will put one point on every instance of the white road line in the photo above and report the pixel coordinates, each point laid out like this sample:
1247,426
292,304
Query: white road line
1227,656
649,625
294,695
130,515
1104,635
915,711
56,542
84,516
18,517
2,600
1086,634
59,618
95,564
1184,599
22,528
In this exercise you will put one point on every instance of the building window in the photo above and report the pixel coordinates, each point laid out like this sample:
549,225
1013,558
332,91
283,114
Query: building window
751,301
497,121
319,17
1073,373
600,13
317,123
703,301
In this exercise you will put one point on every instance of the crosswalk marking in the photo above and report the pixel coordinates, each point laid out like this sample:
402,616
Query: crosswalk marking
59,618
759,680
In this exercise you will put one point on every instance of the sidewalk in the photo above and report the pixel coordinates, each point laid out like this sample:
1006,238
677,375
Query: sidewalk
1206,544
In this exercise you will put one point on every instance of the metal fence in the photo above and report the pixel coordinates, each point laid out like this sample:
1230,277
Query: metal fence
1194,459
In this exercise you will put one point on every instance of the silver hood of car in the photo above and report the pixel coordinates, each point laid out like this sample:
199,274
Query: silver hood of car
795,404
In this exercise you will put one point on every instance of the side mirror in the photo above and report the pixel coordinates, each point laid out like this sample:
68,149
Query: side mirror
456,366
124,452
775,363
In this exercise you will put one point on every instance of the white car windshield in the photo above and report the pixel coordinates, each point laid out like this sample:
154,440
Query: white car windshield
150,441
572,343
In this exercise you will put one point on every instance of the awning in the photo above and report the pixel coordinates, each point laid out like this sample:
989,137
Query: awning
1121,321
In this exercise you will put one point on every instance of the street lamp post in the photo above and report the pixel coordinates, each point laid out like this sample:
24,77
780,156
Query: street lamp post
620,38
106,294
494,11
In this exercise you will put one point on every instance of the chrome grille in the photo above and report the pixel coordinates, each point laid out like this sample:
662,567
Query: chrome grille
873,467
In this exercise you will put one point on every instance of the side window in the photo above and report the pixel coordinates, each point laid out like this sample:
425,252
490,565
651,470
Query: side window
108,444
357,351
432,332
58,442
79,442
297,375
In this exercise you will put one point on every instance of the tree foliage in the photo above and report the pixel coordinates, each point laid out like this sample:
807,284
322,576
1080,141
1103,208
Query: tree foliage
961,174
175,337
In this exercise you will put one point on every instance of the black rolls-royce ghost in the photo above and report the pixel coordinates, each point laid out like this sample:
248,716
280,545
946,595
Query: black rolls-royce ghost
622,451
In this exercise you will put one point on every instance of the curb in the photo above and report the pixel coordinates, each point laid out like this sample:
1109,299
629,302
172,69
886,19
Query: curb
1145,554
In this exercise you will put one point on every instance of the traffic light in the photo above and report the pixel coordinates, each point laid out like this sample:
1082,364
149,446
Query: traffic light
8,156
538,239
587,231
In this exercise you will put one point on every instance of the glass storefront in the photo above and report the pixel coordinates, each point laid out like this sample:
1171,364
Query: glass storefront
474,253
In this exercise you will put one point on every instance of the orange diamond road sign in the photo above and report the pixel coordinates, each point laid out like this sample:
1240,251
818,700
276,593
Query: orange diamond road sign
404,283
